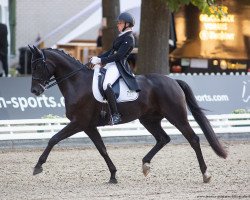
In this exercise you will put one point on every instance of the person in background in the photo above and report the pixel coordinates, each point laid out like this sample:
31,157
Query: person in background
4,48
1,69
133,56
99,38
115,63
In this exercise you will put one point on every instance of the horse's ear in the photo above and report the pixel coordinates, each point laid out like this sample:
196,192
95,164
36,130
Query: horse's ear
31,49
37,51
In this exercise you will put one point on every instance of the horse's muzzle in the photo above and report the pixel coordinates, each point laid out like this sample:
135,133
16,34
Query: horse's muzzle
38,90
35,92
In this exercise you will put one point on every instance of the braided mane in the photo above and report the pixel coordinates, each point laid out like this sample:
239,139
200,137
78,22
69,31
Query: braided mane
66,55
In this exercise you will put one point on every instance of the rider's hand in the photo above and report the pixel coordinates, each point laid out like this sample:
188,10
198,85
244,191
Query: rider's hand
95,60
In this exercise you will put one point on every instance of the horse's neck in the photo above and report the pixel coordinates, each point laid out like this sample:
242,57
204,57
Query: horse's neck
76,84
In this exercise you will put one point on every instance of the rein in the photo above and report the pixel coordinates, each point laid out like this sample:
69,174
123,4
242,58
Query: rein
62,78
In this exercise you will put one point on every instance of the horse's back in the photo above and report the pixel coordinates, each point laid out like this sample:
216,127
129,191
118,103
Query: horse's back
159,83
163,92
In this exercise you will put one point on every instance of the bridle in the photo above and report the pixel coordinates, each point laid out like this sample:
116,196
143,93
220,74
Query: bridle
46,82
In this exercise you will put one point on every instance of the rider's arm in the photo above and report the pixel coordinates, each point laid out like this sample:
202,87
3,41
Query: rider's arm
124,50
105,54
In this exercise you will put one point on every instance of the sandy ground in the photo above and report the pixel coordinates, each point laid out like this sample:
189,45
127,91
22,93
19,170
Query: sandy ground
82,174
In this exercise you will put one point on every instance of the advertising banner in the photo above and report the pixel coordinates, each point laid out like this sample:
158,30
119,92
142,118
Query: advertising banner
17,102
217,94
220,94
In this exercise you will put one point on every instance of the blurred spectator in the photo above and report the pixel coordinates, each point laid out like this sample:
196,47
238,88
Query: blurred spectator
133,56
99,38
4,48
1,69
24,61
136,36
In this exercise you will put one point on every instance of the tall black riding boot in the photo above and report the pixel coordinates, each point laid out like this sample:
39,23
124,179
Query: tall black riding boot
110,96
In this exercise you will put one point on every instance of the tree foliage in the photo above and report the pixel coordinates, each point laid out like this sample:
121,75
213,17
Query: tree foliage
201,4
206,6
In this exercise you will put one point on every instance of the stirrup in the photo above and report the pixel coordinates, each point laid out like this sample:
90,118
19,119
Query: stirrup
115,119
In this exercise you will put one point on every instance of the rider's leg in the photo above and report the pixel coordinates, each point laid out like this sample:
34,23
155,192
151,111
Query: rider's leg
112,74
110,96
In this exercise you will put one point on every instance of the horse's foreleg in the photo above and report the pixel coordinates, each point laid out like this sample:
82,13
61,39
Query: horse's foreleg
154,127
95,136
66,132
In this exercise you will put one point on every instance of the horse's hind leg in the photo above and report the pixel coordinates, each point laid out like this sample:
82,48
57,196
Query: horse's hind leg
194,141
95,136
153,125
66,132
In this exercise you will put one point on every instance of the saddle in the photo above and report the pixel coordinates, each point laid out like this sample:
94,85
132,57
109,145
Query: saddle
120,88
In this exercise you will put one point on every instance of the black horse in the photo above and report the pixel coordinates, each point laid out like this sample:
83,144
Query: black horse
160,97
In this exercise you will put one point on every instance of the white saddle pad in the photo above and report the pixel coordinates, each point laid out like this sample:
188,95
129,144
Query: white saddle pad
125,93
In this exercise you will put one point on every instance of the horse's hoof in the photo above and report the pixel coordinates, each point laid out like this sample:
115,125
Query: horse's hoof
206,177
145,169
113,181
37,170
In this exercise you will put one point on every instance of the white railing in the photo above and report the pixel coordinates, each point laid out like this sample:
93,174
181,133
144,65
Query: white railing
46,128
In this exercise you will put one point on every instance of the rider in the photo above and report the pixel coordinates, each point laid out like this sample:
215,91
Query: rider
115,62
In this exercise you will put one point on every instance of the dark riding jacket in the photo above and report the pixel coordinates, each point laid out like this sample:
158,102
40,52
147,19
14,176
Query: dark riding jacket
122,47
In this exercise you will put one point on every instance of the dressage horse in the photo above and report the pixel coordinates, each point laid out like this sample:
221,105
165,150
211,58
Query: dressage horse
160,97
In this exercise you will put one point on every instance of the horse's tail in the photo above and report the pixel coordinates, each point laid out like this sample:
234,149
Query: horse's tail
202,120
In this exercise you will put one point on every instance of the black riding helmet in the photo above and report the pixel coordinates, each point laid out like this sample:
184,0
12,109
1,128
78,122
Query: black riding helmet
127,18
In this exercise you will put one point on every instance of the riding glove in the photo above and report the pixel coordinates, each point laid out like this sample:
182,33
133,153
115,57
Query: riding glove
95,60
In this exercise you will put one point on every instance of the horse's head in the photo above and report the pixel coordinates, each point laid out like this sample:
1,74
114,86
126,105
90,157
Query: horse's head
40,71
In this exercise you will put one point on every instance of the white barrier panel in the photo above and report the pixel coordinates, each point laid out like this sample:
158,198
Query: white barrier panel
46,128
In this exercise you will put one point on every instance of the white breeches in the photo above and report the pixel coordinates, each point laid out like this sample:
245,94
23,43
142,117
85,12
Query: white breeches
112,74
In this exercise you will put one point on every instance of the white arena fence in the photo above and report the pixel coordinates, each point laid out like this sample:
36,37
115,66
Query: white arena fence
46,128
